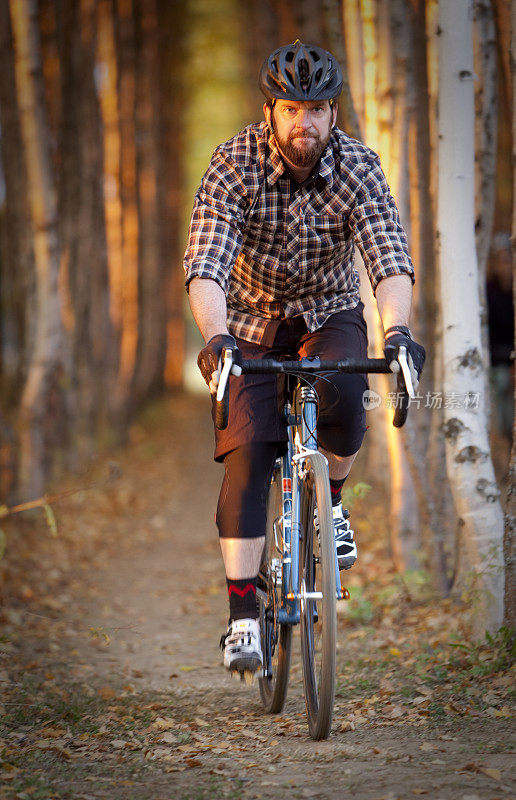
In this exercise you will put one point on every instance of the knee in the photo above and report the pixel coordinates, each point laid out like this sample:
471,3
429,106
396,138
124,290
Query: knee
342,420
242,506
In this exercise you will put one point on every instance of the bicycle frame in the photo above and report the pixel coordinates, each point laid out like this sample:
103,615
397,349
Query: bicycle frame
302,448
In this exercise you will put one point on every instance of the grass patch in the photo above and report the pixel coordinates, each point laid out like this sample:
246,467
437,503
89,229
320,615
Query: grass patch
495,654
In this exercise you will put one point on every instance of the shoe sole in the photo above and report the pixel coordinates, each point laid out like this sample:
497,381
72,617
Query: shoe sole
245,664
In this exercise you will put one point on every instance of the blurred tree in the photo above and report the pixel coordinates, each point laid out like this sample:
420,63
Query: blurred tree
152,275
91,130
510,513
83,274
175,85
469,466
37,412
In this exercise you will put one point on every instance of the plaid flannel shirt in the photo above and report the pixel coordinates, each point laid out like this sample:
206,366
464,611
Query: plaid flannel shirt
279,249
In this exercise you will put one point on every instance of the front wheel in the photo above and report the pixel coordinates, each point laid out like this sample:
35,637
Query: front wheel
318,616
276,639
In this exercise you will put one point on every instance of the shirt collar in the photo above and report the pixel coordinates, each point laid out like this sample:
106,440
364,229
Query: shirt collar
275,166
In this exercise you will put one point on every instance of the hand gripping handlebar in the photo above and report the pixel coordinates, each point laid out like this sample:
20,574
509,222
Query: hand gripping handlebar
314,366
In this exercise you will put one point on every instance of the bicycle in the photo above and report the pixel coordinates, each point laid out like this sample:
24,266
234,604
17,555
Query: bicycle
299,579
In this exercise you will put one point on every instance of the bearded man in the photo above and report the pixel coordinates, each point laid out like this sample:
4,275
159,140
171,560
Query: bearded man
270,271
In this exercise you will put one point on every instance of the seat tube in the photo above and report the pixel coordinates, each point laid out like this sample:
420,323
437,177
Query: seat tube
288,516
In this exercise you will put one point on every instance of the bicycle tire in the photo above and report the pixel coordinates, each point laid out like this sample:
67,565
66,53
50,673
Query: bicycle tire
318,629
276,638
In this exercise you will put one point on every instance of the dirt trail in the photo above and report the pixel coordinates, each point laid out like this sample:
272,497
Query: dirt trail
112,677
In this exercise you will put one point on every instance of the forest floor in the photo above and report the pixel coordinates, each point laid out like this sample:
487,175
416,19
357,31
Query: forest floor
112,683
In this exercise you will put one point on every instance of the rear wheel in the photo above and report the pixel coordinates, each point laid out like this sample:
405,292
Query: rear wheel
276,639
318,616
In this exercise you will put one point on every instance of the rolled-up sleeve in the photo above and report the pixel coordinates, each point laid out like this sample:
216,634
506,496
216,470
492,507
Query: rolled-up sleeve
377,229
215,234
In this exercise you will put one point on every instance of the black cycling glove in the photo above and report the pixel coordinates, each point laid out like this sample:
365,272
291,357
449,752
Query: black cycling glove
209,357
401,336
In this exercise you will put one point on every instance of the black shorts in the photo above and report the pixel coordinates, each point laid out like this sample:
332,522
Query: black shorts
256,401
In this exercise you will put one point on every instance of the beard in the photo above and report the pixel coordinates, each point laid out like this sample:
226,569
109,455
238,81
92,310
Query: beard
306,155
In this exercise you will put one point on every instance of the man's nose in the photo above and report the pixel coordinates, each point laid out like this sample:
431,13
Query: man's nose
303,119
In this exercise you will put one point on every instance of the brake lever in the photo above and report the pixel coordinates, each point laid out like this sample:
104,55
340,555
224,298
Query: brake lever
405,369
224,375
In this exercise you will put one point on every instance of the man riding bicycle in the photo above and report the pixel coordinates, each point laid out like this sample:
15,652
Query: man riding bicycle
270,270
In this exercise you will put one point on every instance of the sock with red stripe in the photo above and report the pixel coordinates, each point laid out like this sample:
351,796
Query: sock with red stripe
335,489
242,598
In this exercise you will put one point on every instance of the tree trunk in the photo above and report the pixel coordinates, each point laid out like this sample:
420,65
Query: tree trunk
468,461
510,511
172,77
152,318
128,189
337,45
36,421
16,252
486,124
107,82
353,38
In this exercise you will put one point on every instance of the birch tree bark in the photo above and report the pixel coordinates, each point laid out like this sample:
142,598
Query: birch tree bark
44,358
468,461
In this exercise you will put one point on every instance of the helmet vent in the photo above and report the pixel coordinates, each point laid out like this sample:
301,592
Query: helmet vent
304,73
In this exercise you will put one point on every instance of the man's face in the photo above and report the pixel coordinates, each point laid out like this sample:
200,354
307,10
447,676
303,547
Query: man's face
302,128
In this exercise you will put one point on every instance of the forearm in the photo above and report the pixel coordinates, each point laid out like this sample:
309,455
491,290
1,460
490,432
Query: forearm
208,304
394,298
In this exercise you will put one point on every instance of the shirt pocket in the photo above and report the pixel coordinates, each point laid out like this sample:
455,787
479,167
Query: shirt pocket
324,233
259,239
322,240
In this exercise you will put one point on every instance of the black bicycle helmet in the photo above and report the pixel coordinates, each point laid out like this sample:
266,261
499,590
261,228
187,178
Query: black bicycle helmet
300,72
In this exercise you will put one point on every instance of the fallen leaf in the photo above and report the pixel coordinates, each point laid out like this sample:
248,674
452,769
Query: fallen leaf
53,733
394,712
504,711
495,774
106,692
169,738
420,699
163,723
394,651
193,762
